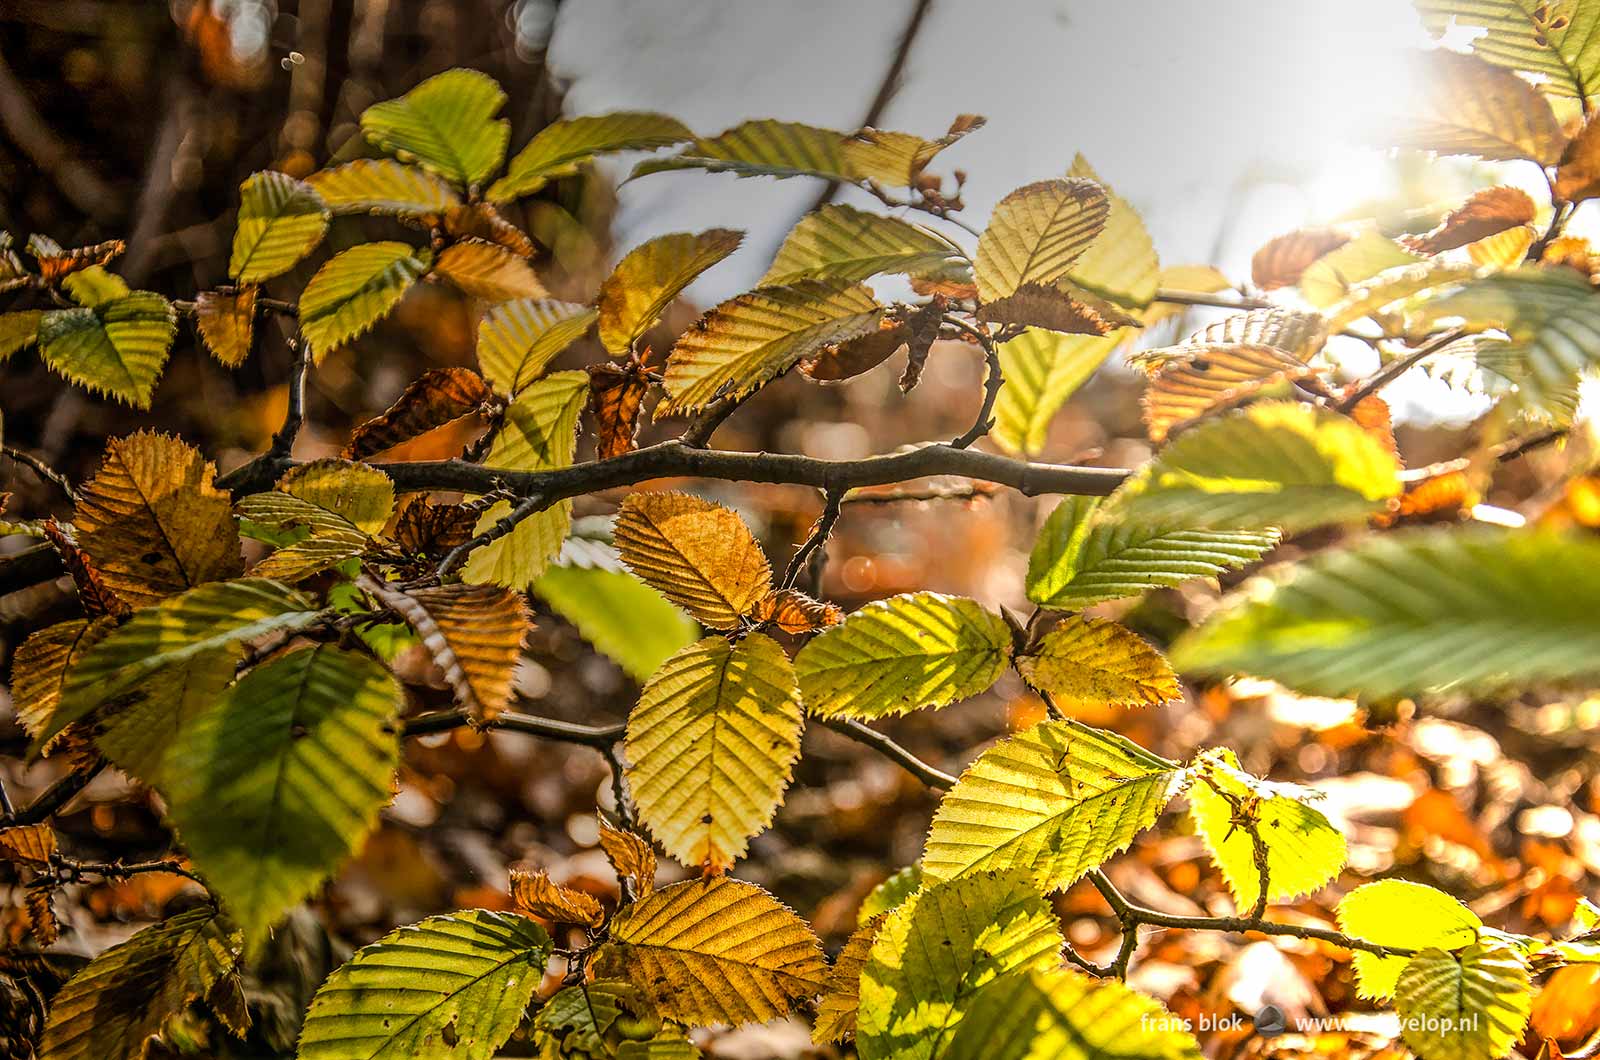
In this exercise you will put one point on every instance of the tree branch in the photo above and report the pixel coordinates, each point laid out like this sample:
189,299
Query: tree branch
1397,368
57,795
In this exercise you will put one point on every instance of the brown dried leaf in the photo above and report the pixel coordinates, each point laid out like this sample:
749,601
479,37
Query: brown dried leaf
227,323
945,286
57,265
631,855
1572,252
846,360
1212,377
488,271
42,923
480,220
425,528
152,521
794,612
1486,213
1281,261
616,395
93,593
698,554
40,667
1059,306
923,330
439,396
28,844
536,893
1373,413
473,633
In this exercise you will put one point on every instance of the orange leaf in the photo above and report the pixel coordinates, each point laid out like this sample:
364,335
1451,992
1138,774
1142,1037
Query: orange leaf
426,528
227,323
616,394
631,855
1578,174
536,893
1487,213
1057,307
28,844
488,271
1281,261
794,612
56,264
480,220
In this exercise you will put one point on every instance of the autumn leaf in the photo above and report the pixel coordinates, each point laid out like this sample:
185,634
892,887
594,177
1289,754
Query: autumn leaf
1209,377
700,555
897,159
354,290
796,613
473,633
1487,212
1036,233
227,323
116,347
536,893
281,220
56,264
153,523
650,276
630,855
1468,106
480,220
1283,260
1080,661
439,396
383,186
518,340
488,271
446,125
28,844
616,396
1058,306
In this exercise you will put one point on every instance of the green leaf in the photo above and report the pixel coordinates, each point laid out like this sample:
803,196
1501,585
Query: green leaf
1081,559
748,340
888,895
446,124
354,290
452,986
18,330
204,620
1404,915
1392,286
383,186
761,148
1037,233
1053,801
281,220
1083,661
712,745
1042,370
1465,106
843,243
127,995
540,431
936,951
95,286
1122,264
716,950
645,282
1275,463
1552,318
898,655
283,780
620,615
1060,1014
1429,610
561,147
1472,1005
117,348
518,340
140,736
1239,816
1557,42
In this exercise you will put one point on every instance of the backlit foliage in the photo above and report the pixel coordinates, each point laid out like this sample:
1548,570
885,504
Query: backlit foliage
263,703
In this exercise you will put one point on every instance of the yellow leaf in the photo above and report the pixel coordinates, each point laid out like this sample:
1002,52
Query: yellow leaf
1036,234
714,951
518,340
1083,661
1121,265
1042,370
646,281
358,493
1467,106
488,271
473,633
537,893
117,347
39,669
227,322
280,221
711,746
153,523
1210,377
28,844
631,855
841,993
18,330
446,124
1332,277
561,147
698,554
383,186
1503,249
356,289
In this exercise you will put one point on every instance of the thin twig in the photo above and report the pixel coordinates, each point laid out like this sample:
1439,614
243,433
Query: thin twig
814,541
57,795
43,470
1397,368
596,736
993,380
1215,301
70,870
503,526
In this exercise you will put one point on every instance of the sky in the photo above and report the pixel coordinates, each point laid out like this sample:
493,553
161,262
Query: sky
1225,122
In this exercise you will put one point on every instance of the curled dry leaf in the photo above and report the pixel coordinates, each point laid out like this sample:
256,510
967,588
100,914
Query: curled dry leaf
227,323
1059,306
536,893
846,360
426,528
1281,261
1438,498
1578,175
631,855
488,271
616,395
42,923
439,396
28,844
473,633
480,220
698,554
794,612
1486,213
56,264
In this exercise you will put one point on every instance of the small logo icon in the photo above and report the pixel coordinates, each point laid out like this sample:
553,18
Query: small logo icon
1270,1021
